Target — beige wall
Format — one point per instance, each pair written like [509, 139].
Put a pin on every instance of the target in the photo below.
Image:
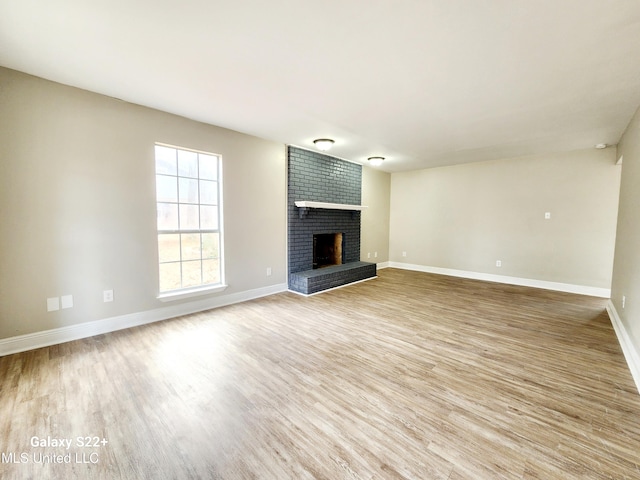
[374, 234]
[468, 216]
[626, 269]
[77, 203]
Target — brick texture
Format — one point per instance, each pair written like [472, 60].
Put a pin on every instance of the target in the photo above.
[321, 178]
[313, 281]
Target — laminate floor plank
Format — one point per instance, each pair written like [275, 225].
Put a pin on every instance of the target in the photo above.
[407, 376]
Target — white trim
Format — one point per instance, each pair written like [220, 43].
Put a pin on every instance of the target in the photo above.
[190, 292]
[55, 336]
[525, 282]
[177, 147]
[631, 354]
[382, 265]
[329, 206]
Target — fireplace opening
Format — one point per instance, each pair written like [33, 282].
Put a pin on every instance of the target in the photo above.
[327, 249]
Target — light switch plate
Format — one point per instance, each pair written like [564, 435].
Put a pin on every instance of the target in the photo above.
[53, 304]
[66, 301]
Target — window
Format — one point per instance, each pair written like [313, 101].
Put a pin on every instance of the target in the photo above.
[188, 201]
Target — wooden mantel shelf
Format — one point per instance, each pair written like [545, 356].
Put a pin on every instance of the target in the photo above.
[330, 206]
[305, 205]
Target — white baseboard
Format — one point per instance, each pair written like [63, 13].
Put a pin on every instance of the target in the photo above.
[382, 265]
[525, 282]
[55, 336]
[631, 354]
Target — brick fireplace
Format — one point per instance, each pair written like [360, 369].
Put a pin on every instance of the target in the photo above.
[314, 177]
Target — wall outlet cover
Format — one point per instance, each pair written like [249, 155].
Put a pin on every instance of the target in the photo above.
[66, 301]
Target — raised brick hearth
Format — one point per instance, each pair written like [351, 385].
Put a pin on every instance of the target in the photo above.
[313, 281]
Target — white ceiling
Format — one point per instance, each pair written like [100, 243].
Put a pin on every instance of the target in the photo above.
[421, 82]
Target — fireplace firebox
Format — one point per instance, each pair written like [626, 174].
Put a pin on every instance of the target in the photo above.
[327, 249]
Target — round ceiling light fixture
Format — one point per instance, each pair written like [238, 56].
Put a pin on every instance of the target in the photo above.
[600, 146]
[323, 144]
[375, 161]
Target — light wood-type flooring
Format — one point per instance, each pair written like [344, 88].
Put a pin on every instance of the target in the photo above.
[407, 376]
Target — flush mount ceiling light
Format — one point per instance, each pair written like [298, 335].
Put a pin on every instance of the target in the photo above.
[600, 146]
[375, 161]
[323, 144]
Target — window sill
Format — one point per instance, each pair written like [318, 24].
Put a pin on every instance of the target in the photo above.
[190, 292]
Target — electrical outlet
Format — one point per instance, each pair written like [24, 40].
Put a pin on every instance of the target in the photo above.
[268, 271]
[375, 254]
[66, 301]
[547, 215]
[107, 296]
[369, 255]
[404, 254]
[498, 263]
[624, 300]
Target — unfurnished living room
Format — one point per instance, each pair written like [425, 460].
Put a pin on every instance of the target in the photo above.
[320, 240]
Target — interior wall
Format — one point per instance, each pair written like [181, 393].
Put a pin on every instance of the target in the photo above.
[77, 202]
[626, 268]
[467, 217]
[376, 191]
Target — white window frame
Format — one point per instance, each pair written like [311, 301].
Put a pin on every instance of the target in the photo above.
[201, 289]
